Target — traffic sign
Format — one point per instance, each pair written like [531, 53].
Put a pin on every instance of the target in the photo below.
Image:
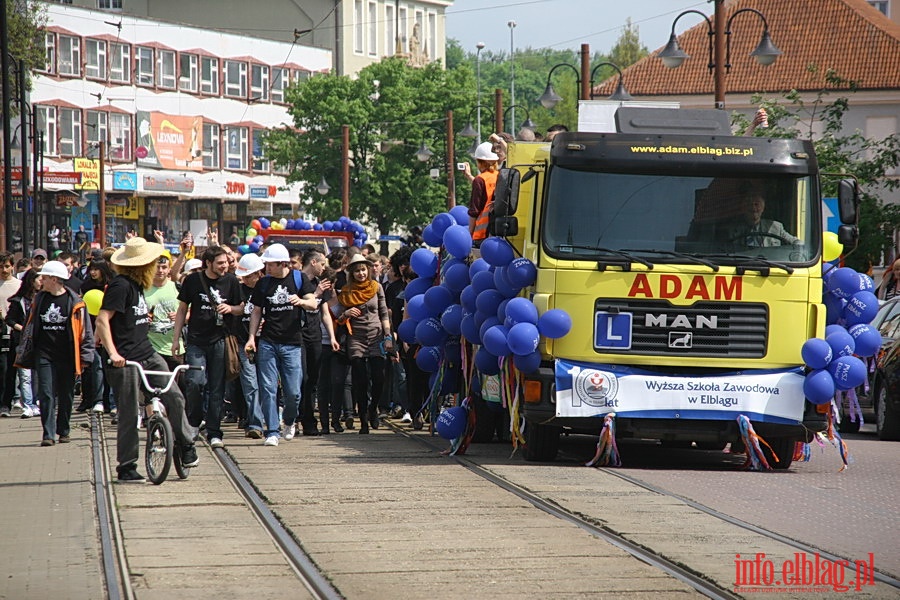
[830, 214]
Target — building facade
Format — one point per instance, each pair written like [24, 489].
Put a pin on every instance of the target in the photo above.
[179, 113]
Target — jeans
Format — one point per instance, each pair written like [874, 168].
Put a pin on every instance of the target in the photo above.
[25, 392]
[211, 357]
[55, 390]
[274, 361]
[128, 387]
[250, 387]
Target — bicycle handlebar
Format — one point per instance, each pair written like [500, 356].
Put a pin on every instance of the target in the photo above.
[171, 375]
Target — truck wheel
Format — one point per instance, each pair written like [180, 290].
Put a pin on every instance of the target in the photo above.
[485, 422]
[541, 442]
[784, 448]
[887, 421]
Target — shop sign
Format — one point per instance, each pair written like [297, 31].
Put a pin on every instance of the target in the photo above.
[125, 181]
[236, 188]
[90, 173]
[260, 208]
[133, 208]
[168, 183]
[67, 200]
[62, 178]
[263, 191]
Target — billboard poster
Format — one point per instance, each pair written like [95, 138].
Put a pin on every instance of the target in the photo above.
[169, 141]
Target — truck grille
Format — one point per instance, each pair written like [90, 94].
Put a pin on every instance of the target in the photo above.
[741, 328]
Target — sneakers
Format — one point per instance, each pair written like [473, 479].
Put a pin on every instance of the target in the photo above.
[254, 434]
[407, 418]
[98, 408]
[35, 411]
[4, 413]
[272, 440]
[27, 413]
[64, 439]
[47, 442]
[336, 426]
[289, 431]
[17, 404]
[189, 456]
[130, 476]
[216, 443]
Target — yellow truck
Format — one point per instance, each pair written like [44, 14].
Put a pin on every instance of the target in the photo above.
[690, 262]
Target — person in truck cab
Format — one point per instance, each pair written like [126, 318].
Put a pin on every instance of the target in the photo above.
[752, 230]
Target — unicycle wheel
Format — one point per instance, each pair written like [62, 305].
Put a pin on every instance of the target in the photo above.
[159, 450]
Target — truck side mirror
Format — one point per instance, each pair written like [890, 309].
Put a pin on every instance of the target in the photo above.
[848, 235]
[848, 201]
[505, 226]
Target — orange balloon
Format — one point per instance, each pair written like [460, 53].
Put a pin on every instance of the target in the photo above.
[255, 224]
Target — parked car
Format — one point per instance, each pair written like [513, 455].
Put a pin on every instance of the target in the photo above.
[885, 379]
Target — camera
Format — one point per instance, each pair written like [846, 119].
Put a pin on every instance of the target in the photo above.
[251, 357]
[461, 166]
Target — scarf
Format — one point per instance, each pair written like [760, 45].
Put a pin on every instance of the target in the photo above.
[357, 294]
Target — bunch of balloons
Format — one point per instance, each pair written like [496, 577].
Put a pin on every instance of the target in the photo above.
[835, 363]
[478, 302]
[254, 240]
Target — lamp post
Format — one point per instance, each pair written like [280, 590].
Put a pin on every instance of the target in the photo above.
[550, 98]
[621, 94]
[6, 204]
[719, 61]
[512, 75]
[424, 154]
[527, 124]
[478, 48]
[471, 132]
[584, 82]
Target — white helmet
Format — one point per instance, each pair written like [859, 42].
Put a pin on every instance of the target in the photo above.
[276, 253]
[55, 268]
[485, 151]
[249, 263]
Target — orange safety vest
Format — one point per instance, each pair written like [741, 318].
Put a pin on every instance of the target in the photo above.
[481, 223]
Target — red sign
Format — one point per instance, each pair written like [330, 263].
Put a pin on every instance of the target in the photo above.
[235, 187]
[61, 178]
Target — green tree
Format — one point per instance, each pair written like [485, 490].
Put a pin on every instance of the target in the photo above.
[388, 122]
[628, 49]
[26, 19]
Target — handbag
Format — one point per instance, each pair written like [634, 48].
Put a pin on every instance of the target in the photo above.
[25, 351]
[232, 347]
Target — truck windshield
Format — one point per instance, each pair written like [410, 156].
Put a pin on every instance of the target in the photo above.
[589, 215]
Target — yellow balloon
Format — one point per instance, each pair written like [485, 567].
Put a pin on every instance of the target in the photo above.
[831, 247]
[93, 299]
[277, 226]
[251, 232]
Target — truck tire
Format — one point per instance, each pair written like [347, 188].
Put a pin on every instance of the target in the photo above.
[485, 422]
[887, 421]
[541, 442]
[784, 448]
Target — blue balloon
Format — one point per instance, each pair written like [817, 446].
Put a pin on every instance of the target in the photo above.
[478, 265]
[254, 247]
[867, 340]
[417, 309]
[304, 225]
[848, 372]
[259, 239]
[521, 272]
[523, 338]
[468, 328]
[456, 277]
[834, 308]
[327, 225]
[844, 283]
[468, 297]
[861, 308]
[416, 287]
[866, 284]
[424, 262]
[483, 281]
[486, 324]
[842, 344]
[318, 227]
[487, 363]
[829, 329]
[363, 236]
[555, 323]
[244, 248]
[428, 358]
[458, 241]
[488, 301]
[430, 236]
[407, 330]
[264, 222]
[451, 423]
[528, 363]
[495, 340]
[521, 310]
[816, 353]
[451, 319]
[501, 310]
[344, 219]
[818, 387]
[437, 298]
[291, 224]
[461, 215]
[497, 251]
[429, 332]
[441, 222]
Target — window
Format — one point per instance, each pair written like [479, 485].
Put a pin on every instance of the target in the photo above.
[235, 79]
[259, 163]
[120, 141]
[278, 77]
[390, 32]
[236, 148]
[143, 68]
[212, 149]
[882, 6]
[120, 63]
[404, 31]
[50, 52]
[165, 69]
[300, 75]
[878, 128]
[69, 55]
[373, 29]
[69, 132]
[358, 26]
[109, 4]
[47, 124]
[187, 80]
[97, 130]
[431, 36]
[259, 83]
[209, 75]
[95, 59]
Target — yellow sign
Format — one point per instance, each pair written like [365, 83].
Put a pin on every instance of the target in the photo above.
[90, 173]
[133, 209]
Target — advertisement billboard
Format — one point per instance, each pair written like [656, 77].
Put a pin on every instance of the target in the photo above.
[169, 141]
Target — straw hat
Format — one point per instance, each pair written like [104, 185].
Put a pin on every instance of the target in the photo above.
[358, 258]
[137, 252]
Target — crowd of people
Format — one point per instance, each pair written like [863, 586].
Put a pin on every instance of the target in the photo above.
[316, 341]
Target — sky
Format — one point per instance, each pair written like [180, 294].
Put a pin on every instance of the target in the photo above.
[561, 24]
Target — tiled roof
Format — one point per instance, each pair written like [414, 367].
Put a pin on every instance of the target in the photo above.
[849, 36]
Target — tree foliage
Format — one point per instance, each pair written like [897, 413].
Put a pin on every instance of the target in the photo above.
[26, 19]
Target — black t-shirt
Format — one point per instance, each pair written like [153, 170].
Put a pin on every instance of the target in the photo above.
[283, 321]
[131, 321]
[74, 283]
[392, 292]
[242, 327]
[55, 340]
[312, 330]
[203, 327]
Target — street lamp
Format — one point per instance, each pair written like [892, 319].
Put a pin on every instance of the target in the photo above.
[527, 124]
[424, 154]
[469, 131]
[550, 98]
[621, 94]
[719, 61]
[512, 74]
[323, 187]
[478, 48]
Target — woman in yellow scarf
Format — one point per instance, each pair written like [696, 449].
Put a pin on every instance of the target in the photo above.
[362, 310]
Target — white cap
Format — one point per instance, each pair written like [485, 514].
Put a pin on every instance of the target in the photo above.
[276, 253]
[55, 268]
[485, 151]
[249, 263]
[194, 263]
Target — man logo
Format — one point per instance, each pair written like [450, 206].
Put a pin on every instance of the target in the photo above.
[679, 339]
